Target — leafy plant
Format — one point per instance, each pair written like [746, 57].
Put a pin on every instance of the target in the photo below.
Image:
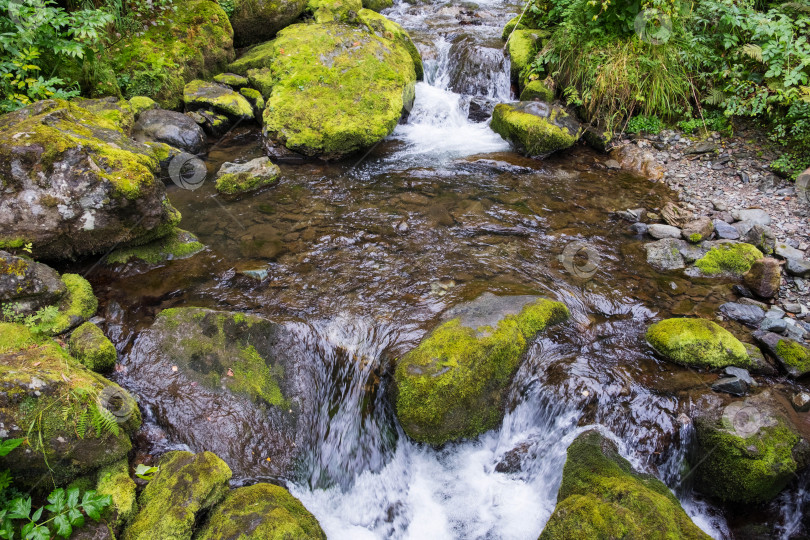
[645, 124]
[38, 322]
[145, 472]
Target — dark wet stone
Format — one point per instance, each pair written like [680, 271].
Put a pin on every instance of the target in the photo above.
[731, 385]
[769, 324]
[764, 277]
[665, 255]
[798, 267]
[512, 460]
[28, 284]
[639, 228]
[169, 127]
[480, 109]
[743, 291]
[748, 315]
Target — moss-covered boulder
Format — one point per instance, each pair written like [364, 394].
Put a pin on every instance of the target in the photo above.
[169, 127]
[747, 451]
[178, 244]
[117, 112]
[195, 41]
[454, 383]
[261, 511]
[522, 47]
[90, 346]
[377, 5]
[331, 89]
[233, 80]
[256, 21]
[76, 421]
[515, 23]
[535, 128]
[384, 27]
[794, 357]
[326, 11]
[140, 104]
[242, 380]
[236, 178]
[72, 183]
[114, 480]
[217, 97]
[185, 486]
[601, 496]
[697, 343]
[28, 285]
[729, 258]
[536, 91]
[76, 306]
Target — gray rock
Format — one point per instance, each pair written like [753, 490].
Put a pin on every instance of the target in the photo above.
[775, 312]
[787, 252]
[798, 267]
[703, 147]
[725, 231]
[28, 285]
[659, 231]
[755, 215]
[639, 228]
[801, 401]
[665, 255]
[792, 307]
[719, 205]
[795, 332]
[739, 373]
[760, 365]
[752, 302]
[743, 227]
[769, 324]
[170, 127]
[731, 385]
[698, 230]
[798, 364]
[692, 252]
[748, 315]
[762, 237]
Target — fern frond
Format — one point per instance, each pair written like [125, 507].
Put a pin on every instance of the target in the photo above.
[81, 424]
[752, 51]
[715, 97]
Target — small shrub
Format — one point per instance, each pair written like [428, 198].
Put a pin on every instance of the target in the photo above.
[651, 125]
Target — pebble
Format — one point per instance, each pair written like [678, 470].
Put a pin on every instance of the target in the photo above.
[792, 307]
[798, 267]
[660, 231]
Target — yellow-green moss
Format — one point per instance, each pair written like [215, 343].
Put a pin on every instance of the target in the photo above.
[232, 79]
[793, 354]
[729, 258]
[114, 480]
[117, 112]
[386, 28]
[202, 94]
[178, 244]
[262, 511]
[535, 90]
[184, 486]
[698, 343]
[326, 11]
[522, 47]
[78, 305]
[333, 88]
[255, 98]
[601, 496]
[751, 469]
[512, 25]
[90, 346]
[532, 134]
[142, 103]
[232, 184]
[377, 5]
[452, 385]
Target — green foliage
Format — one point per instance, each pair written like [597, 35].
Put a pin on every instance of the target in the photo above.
[651, 125]
[36, 36]
[66, 509]
[145, 472]
[228, 6]
[38, 322]
[710, 121]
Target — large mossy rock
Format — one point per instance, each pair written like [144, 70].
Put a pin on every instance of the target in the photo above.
[90, 346]
[523, 46]
[256, 21]
[242, 380]
[114, 480]
[535, 128]
[729, 258]
[77, 306]
[331, 89]
[218, 98]
[697, 343]
[72, 183]
[195, 41]
[185, 486]
[261, 511]
[49, 398]
[601, 496]
[454, 383]
[237, 178]
[28, 285]
[747, 451]
[169, 127]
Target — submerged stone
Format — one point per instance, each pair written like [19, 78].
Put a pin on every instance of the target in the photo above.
[601, 496]
[75, 184]
[535, 128]
[235, 178]
[185, 486]
[179, 244]
[454, 383]
[697, 343]
[261, 511]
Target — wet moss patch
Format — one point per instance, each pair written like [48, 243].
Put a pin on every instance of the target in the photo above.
[698, 343]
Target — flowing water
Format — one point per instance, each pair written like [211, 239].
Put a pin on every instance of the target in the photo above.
[359, 259]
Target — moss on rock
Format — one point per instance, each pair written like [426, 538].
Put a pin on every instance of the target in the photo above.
[199, 94]
[51, 399]
[331, 89]
[90, 346]
[453, 384]
[179, 244]
[730, 258]
[114, 480]
[536, 129]
[261, 511]
[256, 21]
[142, 103]
[515, 23]
[697, 343]
[326, 11]
[386, 28]
[522, 48]
[117, 112]
[185, 486]
[536, 90]
[601, 496]
[78, 305]
[377, 5]
[232, 79]
[236, 178]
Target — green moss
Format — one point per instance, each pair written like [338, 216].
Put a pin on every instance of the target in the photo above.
[114, 480]
[142, 103]
[331, 89]
[232, 79]
[178, 244]
[793, 354]
[601, 496]
[78, 305]
[326, 11]
[201, 94]
[512, 25]
[695, 238]
[196, 41]
[751, 469]
[452, 385]
[532, 134]
[377, 5]
[252, 376]
[117, 113]
[232, 184]
[385, 28]
[698, 343]
[535, 90]
[184, 486]
[261, 511]
[729, 258]
[13, 243]
[90, 346]
[522, 47]
[254, 97]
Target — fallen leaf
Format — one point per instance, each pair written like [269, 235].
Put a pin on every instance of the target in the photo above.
[230, 372]
[174, 368]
